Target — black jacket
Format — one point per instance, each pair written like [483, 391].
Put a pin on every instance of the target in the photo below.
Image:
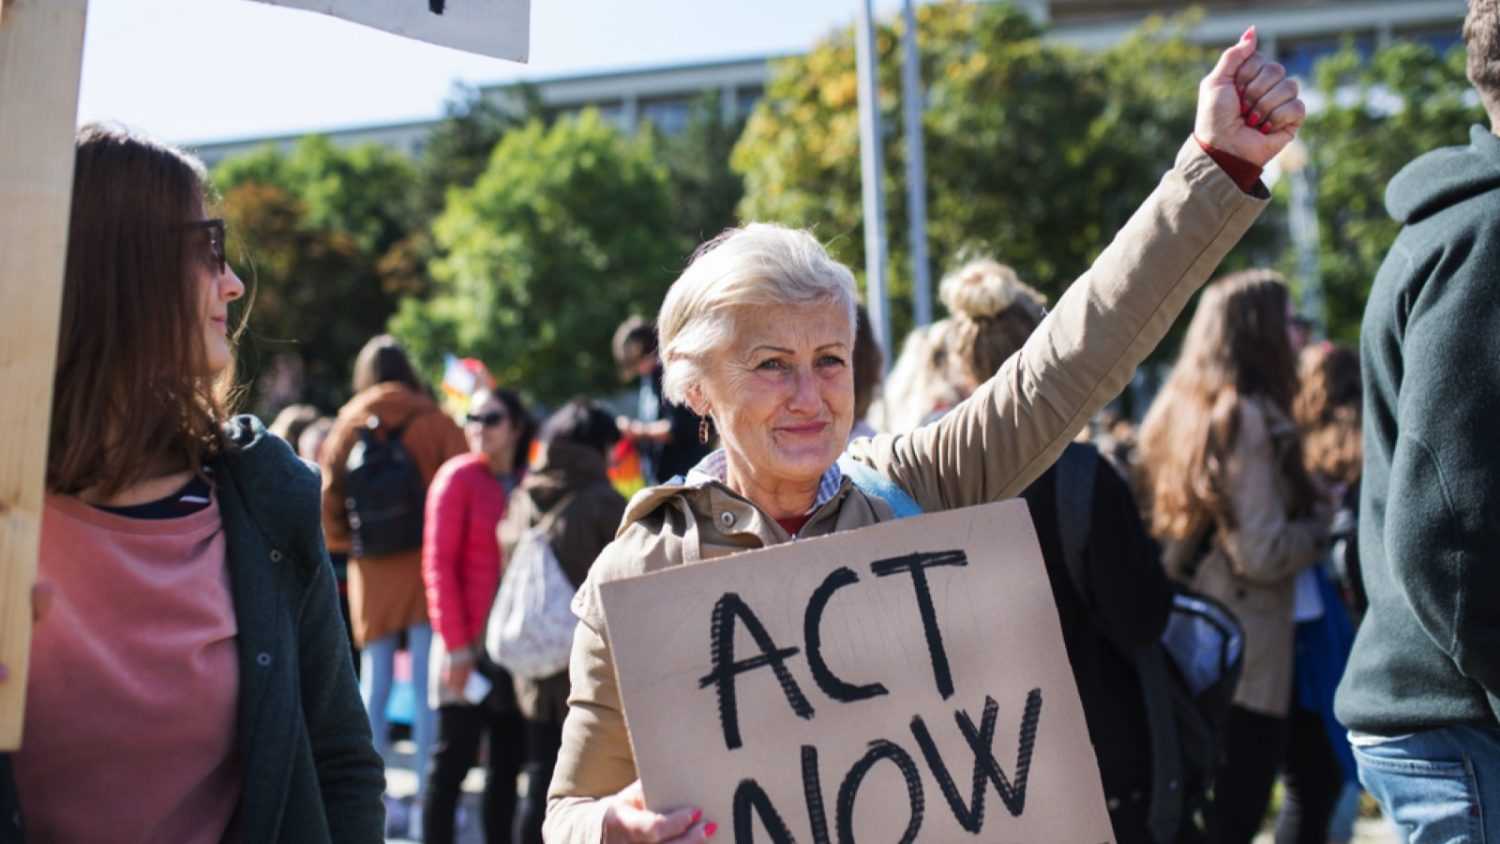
[1125, 609]
[1428, 652]
[311, 773]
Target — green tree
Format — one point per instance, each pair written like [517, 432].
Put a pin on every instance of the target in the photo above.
[567, 231]
[317, 233]
[705, 190]
[1378, 115]
[1036, 153]
[460, 146]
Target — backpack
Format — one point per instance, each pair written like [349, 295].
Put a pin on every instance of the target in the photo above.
[383, 493]
[530, 628]
[1187, 679]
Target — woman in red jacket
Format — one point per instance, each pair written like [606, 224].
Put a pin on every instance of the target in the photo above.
[461, 570]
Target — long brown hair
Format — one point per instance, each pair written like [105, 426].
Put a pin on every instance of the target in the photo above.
[128, 396]
[382, 360]
[1327, 411]
[1236, 349]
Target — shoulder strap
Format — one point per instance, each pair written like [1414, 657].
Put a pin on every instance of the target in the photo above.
[876, 485]
[1073, 483]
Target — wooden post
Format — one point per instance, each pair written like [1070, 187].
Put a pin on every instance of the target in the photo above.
[41, 55]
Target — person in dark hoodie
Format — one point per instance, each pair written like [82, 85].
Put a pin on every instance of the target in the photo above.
[1421, 696]
[568, 497]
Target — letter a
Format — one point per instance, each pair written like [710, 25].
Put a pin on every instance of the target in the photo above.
[726, 669]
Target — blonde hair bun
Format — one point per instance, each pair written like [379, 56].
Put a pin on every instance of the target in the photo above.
[985, 288]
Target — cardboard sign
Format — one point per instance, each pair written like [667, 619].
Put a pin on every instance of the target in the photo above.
[903, 682]
[499, 28]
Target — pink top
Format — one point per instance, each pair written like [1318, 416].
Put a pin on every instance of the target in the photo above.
[130, 707]
[460, 552]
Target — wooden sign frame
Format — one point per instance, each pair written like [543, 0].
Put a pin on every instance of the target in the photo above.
[41, 58]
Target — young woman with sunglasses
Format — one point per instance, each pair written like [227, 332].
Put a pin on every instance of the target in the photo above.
[386, 599]
[461, 568]
[190, 681]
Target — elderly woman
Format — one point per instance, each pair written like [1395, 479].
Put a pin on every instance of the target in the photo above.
[756, 338]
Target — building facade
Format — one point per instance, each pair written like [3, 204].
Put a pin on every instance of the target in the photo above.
[1297, 32]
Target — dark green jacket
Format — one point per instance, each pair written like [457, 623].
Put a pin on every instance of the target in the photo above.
[1428, 652]
[311, 773]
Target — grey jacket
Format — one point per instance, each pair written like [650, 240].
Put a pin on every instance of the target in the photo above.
[311, 773]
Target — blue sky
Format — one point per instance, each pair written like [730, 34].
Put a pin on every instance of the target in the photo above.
[199, 70]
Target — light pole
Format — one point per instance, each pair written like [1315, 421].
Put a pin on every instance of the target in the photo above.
[872, 169]
[913, 104]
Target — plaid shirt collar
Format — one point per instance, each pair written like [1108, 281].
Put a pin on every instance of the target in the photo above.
[714, 467]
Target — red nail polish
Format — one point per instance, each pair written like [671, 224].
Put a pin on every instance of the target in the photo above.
[710, 829]
[1265, 128]
[697, 816]
[1249, 33]
[1254, 120]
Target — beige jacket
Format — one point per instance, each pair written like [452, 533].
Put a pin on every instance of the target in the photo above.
[988, 448]
[1252, 567]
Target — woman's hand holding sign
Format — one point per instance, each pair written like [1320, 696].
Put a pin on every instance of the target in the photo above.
[628, 821]
[1247, 106]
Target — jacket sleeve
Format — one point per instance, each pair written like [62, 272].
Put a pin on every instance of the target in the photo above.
[1443, 493]
[1264, 545]
[1003, 437]
[1129, 596]
[350, 773]
[595, 759]
[442, 544]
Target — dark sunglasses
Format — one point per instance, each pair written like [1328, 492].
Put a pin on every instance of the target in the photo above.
[216, 239]
[488, 420]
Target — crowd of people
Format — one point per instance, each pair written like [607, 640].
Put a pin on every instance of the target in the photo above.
[222, 609]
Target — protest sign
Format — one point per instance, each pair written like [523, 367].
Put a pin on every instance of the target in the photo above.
[499, 28]
[902, 682]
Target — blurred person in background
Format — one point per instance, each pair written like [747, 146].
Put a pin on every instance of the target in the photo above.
[461, 565]
[189, 680]
[1327, 411]
[570, 502]
[386, 597]
[917, 387]
[869, 371]
[292, 421]
[1116, 599]
[1239, 519]
[665, 435]
[1421, 697]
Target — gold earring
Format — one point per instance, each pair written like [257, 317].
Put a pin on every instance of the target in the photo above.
[703, 430]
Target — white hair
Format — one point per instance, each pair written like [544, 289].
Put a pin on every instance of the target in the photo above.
[761, 264]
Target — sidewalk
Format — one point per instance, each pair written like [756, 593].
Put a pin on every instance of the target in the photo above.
[401, 783]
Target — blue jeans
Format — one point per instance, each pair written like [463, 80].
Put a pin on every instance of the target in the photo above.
[1437, 786]
[377, 672]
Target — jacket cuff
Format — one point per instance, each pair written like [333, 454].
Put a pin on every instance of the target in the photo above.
[1245, 174]
[1201, 170]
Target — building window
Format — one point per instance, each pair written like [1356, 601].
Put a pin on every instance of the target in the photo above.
[1300, 57]
[1440, 38]
[746, 98]
[670, 115]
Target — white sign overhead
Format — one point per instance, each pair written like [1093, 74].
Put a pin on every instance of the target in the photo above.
[499, 28]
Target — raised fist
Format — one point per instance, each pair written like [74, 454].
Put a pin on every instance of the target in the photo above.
[1247, 106]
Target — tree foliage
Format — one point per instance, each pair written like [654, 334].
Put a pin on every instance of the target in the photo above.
[1036, 153]
[705, 190]
[311, 232]
[567, 231]
[1379, 114]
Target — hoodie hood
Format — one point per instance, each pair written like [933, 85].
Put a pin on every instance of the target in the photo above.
[562, 469]
[395, 404]
[1445, 177]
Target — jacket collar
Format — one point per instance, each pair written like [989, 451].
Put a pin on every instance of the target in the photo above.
[715, 467]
